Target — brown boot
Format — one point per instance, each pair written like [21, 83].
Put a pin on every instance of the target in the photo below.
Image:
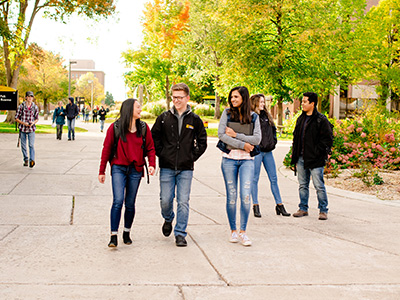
[323, 216]
[300, 213]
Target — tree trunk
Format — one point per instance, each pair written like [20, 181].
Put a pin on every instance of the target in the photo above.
[141, 94]
[167, 95]
[280, 111]
[217, 111]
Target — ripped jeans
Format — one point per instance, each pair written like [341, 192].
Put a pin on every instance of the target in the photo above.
[233, 169]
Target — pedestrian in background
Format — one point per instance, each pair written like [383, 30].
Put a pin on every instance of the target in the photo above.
[87, 112]
[126, 157]
[102, 114]
[71, 111]
[238, 149]
[180, 139]
[268, 143]
[95, 112]
[312, 142]
[59, 119]
[27, 116]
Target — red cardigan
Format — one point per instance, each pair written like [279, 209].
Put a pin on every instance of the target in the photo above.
[127, 152]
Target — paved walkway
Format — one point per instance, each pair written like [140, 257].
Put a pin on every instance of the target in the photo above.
[54, 230]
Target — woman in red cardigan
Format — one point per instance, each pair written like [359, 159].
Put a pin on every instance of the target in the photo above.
[123, 149]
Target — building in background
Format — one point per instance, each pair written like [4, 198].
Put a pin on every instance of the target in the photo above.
[84, 66]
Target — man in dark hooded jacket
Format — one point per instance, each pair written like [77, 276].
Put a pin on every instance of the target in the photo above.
[312, 142]
[72, 111]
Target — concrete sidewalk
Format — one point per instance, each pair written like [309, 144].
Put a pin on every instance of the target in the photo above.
[54, 230]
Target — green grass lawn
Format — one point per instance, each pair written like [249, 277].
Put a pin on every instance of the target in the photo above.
[10, 128]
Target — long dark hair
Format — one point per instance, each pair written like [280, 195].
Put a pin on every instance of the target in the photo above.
[241, 113]
[255, 104]
[125, 119]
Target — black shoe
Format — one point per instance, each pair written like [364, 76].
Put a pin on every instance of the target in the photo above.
[256, 210]
[73, 138]
[127, 239]
[26, 163]
[113, 241]
[280, 209]
[31, 164]
[180, 241]
[69, 139]
[167, 228]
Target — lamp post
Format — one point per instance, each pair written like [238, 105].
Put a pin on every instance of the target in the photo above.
[91, 97]
[71, 62]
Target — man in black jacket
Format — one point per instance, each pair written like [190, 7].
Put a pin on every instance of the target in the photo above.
[72, 111]
[312, 142]
[180, 139]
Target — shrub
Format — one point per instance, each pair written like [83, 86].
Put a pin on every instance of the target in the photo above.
[205, 110]
[371, 140]
[147, 115]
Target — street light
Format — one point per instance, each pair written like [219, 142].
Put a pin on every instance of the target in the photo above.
[69, 77]
[91, 105]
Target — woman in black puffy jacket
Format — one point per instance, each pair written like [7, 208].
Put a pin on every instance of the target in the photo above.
[268, 142]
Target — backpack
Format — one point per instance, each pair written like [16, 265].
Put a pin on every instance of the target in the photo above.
[320, 118]
[143, 126]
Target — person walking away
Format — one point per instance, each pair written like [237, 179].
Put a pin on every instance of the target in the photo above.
[238, 149]
[125, 148]
[180, 139]
[72, 112]
[83, 114]
[312, 142]
[287, 113]
[102, 114]
[27, 116]
[87, 112]
[95, 112]
[268, 143]
[59, 119]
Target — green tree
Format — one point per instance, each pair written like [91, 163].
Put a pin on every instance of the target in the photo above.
[381, 48]
[16, 22]
[202, 51]
[44, 74]
[153, 63]
[109, 99]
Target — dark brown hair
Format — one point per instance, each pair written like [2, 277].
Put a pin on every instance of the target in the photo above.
[243, 112]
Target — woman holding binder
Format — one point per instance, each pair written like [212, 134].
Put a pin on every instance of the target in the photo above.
[268, 143]
[238, 147]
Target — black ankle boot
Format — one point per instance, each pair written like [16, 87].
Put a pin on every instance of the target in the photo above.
[113, 241]
[256, 210]
[280, 209]
[126, 238]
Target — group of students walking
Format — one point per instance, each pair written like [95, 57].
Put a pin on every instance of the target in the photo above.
[247, 136]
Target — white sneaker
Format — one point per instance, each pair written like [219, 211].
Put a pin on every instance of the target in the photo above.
[234, 237]
[244, 239]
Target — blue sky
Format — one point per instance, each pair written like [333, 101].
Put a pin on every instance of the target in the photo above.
[101, 41]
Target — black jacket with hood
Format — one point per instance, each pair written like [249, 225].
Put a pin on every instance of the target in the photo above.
[71, 109]
[317, 143]
[179, 151]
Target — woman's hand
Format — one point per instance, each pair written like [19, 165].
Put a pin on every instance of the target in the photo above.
[248, 147]
[230, 132]
[152, 171]
[102, 178]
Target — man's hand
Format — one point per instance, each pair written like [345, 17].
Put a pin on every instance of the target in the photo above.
[102, 178]
[230, 132]
[152, 171]
[248, 147]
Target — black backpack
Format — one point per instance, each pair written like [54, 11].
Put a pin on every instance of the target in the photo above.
[143, 126]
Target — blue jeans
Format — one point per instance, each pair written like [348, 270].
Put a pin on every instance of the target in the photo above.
[71, 128]
[31, 143]
[182, 181]
[233, 169]
[102, 124]
[125, 184]
[267, 159]
[317, 175]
